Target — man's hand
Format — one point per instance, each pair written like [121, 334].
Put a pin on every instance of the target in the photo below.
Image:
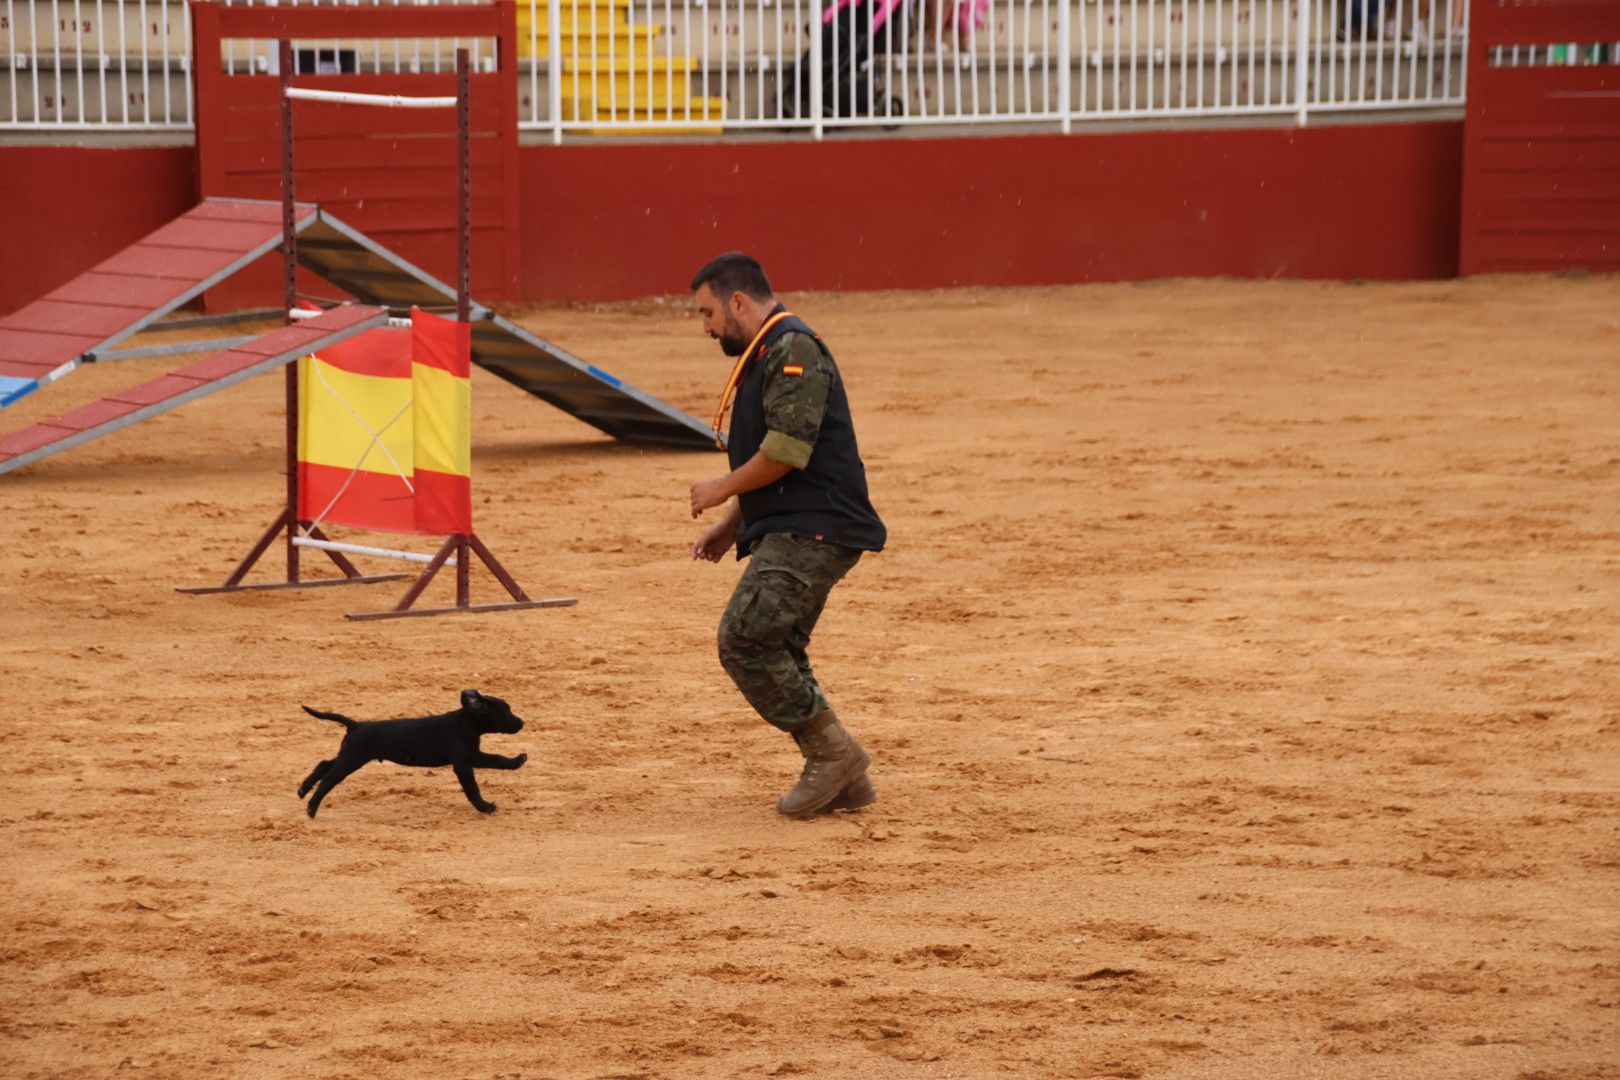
[753, 474]
[716, 541]
[709, 493]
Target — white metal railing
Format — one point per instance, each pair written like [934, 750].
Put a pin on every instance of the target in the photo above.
[673, 66]
[345, 56]
[95, 64]
[258, 56]
[818, 64]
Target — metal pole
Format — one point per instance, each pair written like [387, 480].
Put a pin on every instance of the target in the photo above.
[1302, 81]
[463, 192]
[464, 256]
[289, 235]
[289, 263]
[463, 591]
[1065, 60]
[815, 67]
[554, 72]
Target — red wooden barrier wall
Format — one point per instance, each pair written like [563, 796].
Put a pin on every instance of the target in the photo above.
[1541, 158]
[70, 207]
[388, 172]
[1334, 201]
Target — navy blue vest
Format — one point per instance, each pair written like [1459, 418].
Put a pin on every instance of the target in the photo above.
[825, 500]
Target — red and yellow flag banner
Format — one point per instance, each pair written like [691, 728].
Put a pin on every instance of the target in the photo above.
[441, 374]
[385, 430]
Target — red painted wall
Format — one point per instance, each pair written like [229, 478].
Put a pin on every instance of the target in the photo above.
[1541, 183]
[1326, 202]
[613, 221]
[67, 208]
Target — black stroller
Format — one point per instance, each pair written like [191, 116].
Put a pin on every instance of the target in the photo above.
[855, 39]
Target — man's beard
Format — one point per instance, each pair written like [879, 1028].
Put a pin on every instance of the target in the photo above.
[732, 341]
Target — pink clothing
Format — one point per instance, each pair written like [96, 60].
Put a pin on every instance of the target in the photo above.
[957, 12]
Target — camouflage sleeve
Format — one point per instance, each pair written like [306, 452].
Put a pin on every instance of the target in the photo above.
[798, 380]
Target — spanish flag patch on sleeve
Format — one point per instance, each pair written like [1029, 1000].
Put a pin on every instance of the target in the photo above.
[793, 369]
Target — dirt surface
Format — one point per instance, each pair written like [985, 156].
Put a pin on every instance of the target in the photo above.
[1242, 683]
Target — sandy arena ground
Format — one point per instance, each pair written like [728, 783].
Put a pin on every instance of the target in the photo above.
[1242, 682]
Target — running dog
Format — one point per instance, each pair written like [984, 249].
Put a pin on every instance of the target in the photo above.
[429, 741]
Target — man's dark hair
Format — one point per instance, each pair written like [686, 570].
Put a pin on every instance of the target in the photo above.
[733, 272]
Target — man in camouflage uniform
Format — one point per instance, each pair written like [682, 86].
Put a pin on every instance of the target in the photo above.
[801, 513]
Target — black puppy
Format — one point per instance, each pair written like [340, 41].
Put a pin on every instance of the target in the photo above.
[448, 739]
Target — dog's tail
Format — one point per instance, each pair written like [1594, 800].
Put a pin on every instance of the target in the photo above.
[334, 717]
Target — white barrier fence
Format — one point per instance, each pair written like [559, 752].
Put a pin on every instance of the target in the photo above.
[673, 66]
[93, 64]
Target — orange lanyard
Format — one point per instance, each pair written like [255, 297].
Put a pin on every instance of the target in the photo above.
[741, 366]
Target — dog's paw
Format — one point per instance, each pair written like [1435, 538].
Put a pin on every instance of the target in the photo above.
[521, 760]
[311, 810]
[487, 808]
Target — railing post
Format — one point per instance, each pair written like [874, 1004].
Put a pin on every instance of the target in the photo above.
[815, 68]
[1302, 74]
[554, 72]
[1065, 59]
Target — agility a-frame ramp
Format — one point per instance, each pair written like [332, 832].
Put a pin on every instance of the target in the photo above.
[80, 323]
[83, 320]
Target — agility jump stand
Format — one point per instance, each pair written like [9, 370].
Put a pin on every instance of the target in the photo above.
[457, 548]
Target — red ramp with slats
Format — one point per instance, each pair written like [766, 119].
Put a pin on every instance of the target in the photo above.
[170, 391]
[52, 336]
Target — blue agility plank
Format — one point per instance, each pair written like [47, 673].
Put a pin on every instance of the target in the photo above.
[14, 389]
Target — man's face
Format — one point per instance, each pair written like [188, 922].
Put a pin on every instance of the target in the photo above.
[720, 322]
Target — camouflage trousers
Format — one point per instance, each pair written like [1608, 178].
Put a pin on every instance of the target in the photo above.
[767, 625]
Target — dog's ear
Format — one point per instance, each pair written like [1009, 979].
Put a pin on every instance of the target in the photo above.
[471, 699]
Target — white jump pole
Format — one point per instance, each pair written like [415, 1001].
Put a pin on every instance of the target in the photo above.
[394, 101]
[362, 549]
[300, 314]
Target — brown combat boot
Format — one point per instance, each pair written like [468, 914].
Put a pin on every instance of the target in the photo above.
[832, 762]
[859, 793]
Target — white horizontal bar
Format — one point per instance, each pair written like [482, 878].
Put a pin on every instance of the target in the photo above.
[300, 314]
[395, 101]
[1079, 116]
[361, 549]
